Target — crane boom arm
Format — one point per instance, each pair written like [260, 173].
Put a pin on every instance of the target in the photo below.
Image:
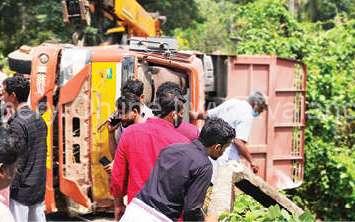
[127, 16]
[136, 18]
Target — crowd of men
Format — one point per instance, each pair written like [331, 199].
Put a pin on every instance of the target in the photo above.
[176, 181]
[163, 164]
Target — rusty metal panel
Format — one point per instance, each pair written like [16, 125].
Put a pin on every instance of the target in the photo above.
[76, 133]
[277, 136]
[76, 138]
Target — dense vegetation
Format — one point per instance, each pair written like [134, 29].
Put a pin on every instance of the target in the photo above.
[246, 209]
[30, 22]
[321, 33]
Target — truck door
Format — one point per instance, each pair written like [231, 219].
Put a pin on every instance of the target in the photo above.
[277, 136]
[105, 89]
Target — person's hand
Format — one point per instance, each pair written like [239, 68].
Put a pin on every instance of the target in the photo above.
[193, 115]
[110, 127]
[254, 167]
[108, 168]
[119, 209]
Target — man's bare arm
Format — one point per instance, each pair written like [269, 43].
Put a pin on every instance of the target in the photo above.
[119, 208]
[112, 144]
[198, 115]
[243, 150]
[111, 139]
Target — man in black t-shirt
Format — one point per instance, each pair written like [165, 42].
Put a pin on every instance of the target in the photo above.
[28, 187]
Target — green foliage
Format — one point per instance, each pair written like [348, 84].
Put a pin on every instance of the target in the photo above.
[2, 59]
[246, 209]
[213, 33]
[263, 26]
[331, 91]
[30, 22]
[179, 13]
[325, 10]
[329, 187]
[267, 27]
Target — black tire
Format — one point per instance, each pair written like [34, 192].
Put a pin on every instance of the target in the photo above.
[20, 62]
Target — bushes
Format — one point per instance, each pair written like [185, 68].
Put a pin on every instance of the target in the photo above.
[329, 188]
[330, 135]
[246, 209]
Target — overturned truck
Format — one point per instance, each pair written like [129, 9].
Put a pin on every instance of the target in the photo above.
[75, 88]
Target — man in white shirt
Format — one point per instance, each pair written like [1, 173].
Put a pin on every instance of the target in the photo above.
[239, 114]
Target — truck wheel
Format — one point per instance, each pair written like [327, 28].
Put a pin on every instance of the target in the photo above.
[20, 61]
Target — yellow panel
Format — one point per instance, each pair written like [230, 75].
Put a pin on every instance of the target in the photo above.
[47, 117]
[103, 93]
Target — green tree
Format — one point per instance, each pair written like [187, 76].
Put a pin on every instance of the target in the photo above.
[30, 22]
[179, 13]
[323, 10]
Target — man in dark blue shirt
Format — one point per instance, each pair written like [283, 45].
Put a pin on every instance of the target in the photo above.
[180, 178]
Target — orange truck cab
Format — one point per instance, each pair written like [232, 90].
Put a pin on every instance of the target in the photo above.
[75, 89]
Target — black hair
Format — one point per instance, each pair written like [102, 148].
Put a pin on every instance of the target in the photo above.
[133, 86]
[9, 151]
[127, 102]
[18, 85]
[169, 98]
[169, 87]
[216, 131]
[1, 66]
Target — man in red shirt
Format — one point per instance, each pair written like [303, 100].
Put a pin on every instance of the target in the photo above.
[140, 145]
